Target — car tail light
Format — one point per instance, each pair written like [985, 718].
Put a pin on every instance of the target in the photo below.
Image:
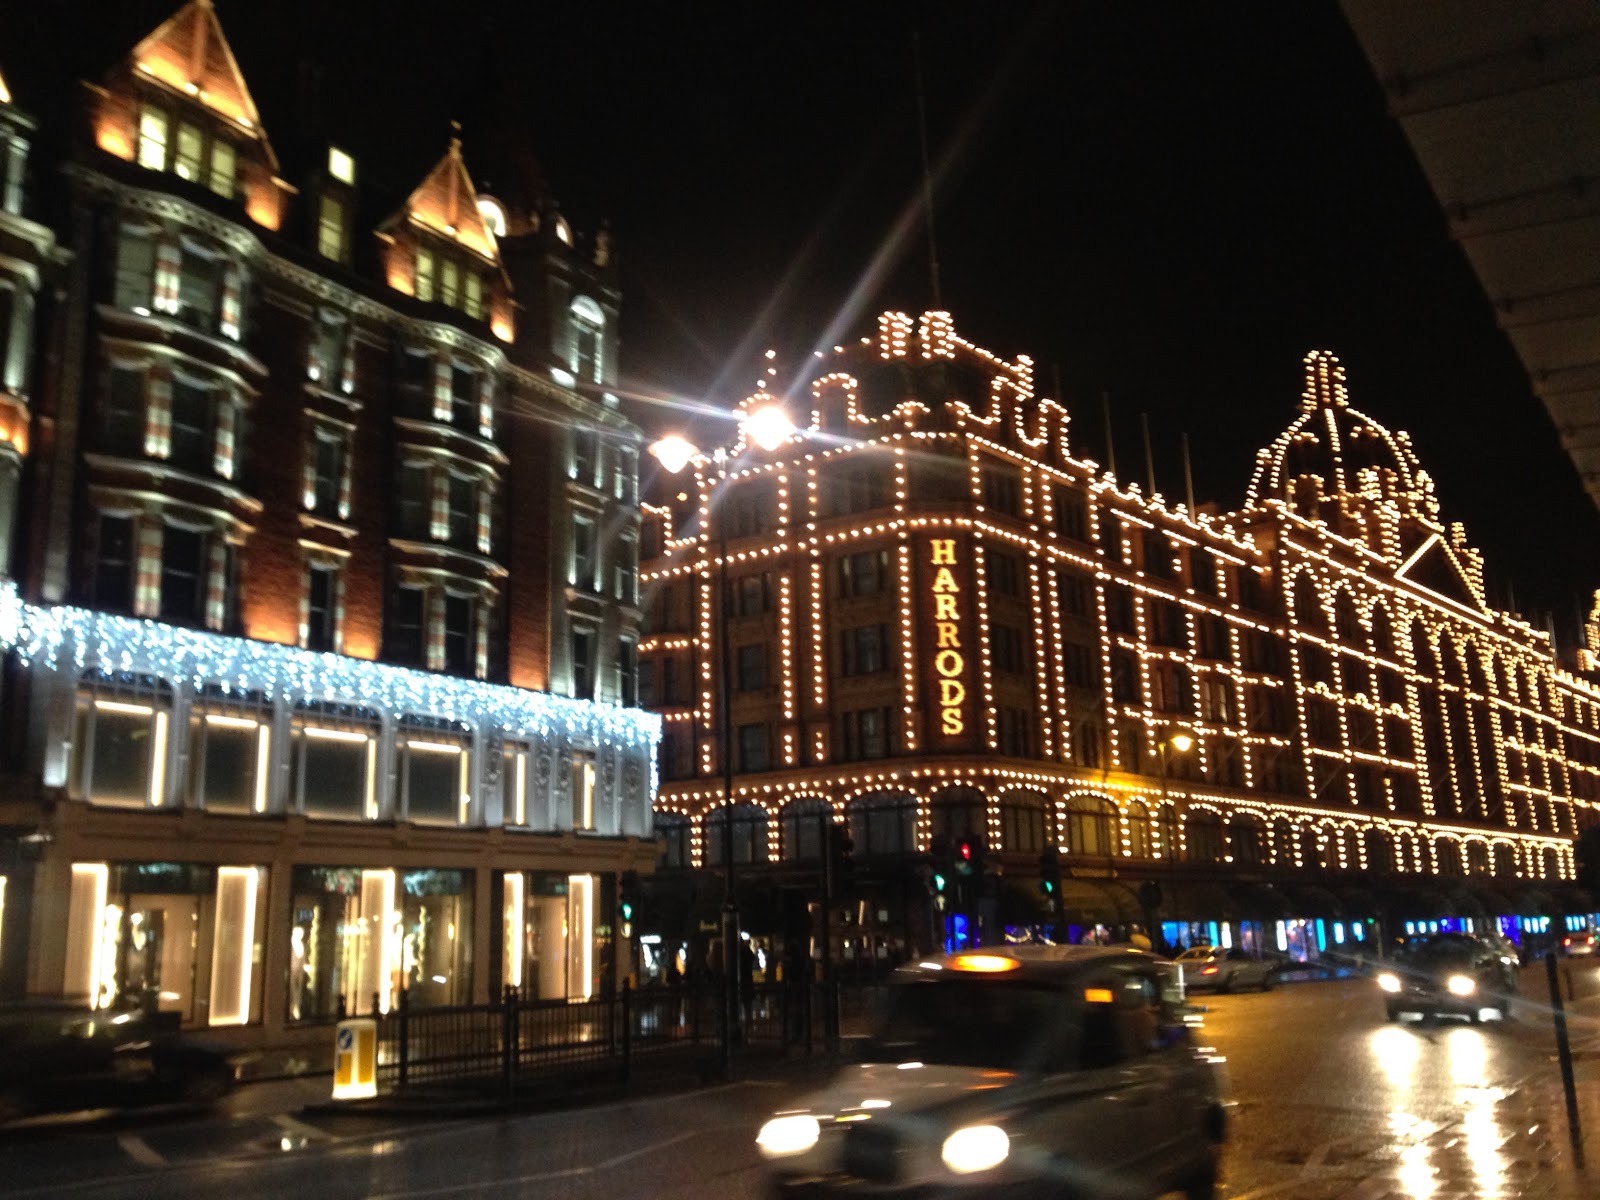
[1209, 971]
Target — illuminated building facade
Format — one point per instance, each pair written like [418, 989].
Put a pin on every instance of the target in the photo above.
[321, 600]
[1298, 723]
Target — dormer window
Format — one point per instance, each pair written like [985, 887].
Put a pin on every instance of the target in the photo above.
[450, 280]
[341, 166]
[194, 153]
[330, 228]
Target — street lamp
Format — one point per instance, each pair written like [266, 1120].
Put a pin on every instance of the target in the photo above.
[1182, 741]
[767, 427]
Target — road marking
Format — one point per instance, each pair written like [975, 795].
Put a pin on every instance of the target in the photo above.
[291, 1125]
[136, 1148]
[457, 1189]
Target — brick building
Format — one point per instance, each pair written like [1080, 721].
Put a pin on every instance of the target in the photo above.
[322, 541]
[1287, 726]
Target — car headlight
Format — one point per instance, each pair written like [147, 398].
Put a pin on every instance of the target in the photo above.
[1389, 981]
[975, 1148]
[1461, 985]
[792, 1134]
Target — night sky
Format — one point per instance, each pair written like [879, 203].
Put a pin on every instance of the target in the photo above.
[1168, 203]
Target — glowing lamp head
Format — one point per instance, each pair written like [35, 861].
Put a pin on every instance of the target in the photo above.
[673, 452]
[1181, 741]
[769, 427]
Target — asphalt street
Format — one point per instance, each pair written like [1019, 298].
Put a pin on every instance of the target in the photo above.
[1332, 1103]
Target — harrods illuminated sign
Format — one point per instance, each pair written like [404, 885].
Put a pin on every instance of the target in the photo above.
[949, 665]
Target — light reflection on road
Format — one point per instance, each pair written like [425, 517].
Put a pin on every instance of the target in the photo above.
[1410, 1064]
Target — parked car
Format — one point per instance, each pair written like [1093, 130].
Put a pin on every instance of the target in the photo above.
[1067, 1069]
[1215, 969]
[1450, 974]
[58, 1058]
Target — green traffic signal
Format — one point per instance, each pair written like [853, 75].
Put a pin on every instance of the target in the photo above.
[1049, 886]
[938, 882]
[627, 911]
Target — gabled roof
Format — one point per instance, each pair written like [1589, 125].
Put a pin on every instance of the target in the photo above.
[1434, 566]
[446, 202]
[189, 54]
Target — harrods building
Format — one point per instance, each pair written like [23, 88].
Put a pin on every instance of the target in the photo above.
[1302, 722]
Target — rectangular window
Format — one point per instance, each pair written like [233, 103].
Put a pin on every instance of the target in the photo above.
[449, 282]
[330, 228]
[753, 755]
[192, 443]
[328, 473]
[182, 574]
[1072, 515]
[628, 674]
[750, 508]
[1077, 665]
[628, 571]
[1004, 577]
[585, 351]
[228, 762]
[186, 163]
[152, 138]
[415, 498]
[464, 398]
[864, 574]
[752, 667]
[585, 456]
[583, 777]
[583, 641]
[1002, 490]
[425, 271]
[436, 778]
[1007, 649]
[583, 556]
[199, 289]
[321, 594]
[122, 429]
[460, 637]
[866, 734]
[1074, 596]
[338, 772]
[472, 297]
[463, 499]
[407, 621]
[224, 168]
[120, 751]
[1016, 732]
[113, 565]
[136, 269]
[864, 650]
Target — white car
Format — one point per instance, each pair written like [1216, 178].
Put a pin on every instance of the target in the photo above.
[1070, 1070]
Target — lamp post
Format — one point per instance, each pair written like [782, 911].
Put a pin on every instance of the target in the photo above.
[1182, 741]
[768, 427]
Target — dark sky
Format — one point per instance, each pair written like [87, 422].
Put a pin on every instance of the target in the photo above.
[1167, 202]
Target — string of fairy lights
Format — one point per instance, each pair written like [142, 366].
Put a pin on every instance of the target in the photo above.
[1363, 536]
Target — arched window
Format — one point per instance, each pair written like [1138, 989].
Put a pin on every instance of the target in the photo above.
[1139, 830]
[1024, 822]
[1247, 839]
[1552, 863]
[673, 831]
[958, 813]
[1346, 622]
[1308, 613]
[1446, 857]
[1380, 854]
[883, 823]
[1382, 641]
[749, 826]
[1505, 861]
[1283, 842]
[800, 828]
[1088, 829]
[586, 335]
[1203, 836]
[1167, 831]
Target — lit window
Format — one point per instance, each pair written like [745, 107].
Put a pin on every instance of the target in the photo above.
[322, 608]
[472, 303]
[229, 759]
[425, 266]
[330, 232]
[186, 164]
[119, 745]
[341, 166]
[494, 216]
[583, 554]
[224, 168]
[153, 139]
[583, 641]
[587, 323]
[583, 789]
[450, 283]
[336, 763]
[435, 772]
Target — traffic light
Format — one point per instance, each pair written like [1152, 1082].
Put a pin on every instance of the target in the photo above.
[1050, 875]
[627, 895]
